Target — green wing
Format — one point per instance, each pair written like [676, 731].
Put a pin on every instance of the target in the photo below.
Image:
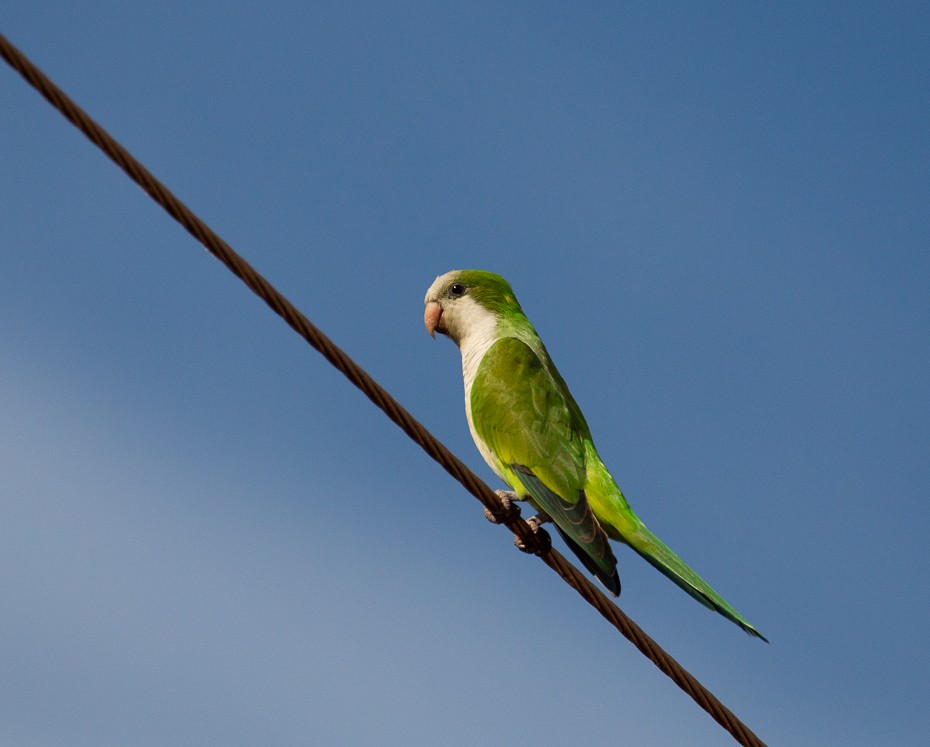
[528, 422]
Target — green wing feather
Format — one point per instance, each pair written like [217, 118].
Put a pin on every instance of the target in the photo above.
[528, 421]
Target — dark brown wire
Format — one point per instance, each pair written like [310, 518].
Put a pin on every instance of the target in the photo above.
[452, 464]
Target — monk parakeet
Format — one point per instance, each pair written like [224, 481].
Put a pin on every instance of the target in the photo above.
[533, 435]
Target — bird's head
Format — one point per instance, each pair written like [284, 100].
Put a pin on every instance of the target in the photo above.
[462, 301]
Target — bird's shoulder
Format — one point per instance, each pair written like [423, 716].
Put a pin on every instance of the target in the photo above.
[515, 388]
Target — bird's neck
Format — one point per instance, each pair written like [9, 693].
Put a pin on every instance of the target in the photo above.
[482, 333]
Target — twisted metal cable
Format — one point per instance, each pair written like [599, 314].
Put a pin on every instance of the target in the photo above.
[536, 543]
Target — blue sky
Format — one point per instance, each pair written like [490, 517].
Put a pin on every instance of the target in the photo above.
[716, 215]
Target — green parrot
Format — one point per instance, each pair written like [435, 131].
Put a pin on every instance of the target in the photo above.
[533, 435]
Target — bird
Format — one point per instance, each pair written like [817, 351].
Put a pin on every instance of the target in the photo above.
[533, 435]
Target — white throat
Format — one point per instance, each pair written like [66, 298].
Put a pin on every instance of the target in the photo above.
[477, 328]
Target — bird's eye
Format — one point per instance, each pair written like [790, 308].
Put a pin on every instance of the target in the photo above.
[456, 290]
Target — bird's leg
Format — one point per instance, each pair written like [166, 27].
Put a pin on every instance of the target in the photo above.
[509, 511]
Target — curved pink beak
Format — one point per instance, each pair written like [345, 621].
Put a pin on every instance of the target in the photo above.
[431, 317]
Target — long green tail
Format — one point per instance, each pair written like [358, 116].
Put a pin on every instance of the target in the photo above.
[657, 553]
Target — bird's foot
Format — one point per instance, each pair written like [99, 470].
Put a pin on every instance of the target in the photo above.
[509, 508]
[538, 520]
[510, 511]
[543, 540]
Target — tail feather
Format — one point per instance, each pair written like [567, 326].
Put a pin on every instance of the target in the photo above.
[658, 554]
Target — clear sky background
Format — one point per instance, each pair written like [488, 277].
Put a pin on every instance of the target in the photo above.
[718, 217]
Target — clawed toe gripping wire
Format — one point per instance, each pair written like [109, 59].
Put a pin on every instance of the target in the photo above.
[509, 511]
[494, 507]
[543, 542]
